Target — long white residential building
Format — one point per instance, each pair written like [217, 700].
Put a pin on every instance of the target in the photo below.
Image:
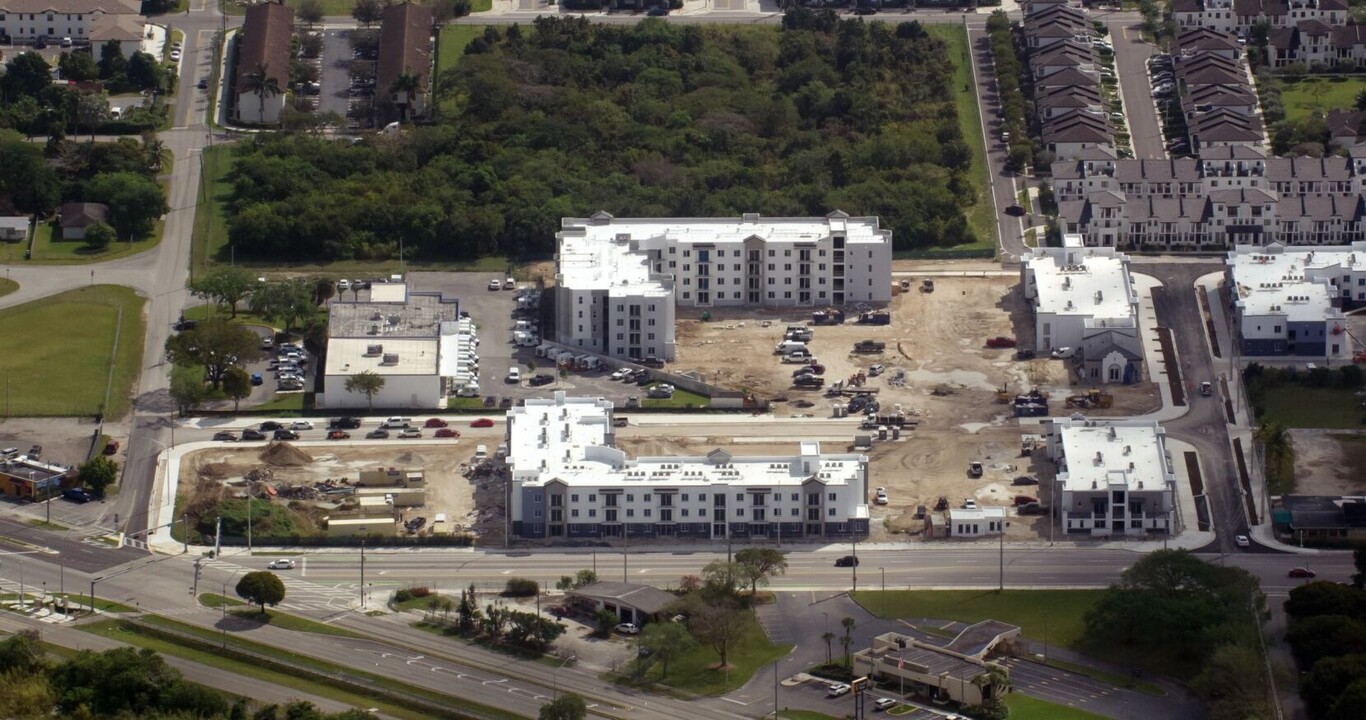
[1084, 299]
[620, 280]
[569, 482]
[1114, 476]
[1288, 301]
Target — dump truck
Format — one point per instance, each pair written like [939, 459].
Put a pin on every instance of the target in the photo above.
[829, 316]
[869, 346]
[875, 317]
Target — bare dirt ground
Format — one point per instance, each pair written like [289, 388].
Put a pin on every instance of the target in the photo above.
[938, 340]
[206, 472]
[1329, 462]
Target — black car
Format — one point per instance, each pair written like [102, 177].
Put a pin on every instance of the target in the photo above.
[652, 361]
[1025, 480]
[77, 495]
[865, 11]
[643, 378]
[286, 435]
[344, 423]
[542, 379]
[253, 435]
[270, 425]
[1015, 211]
[847, 561]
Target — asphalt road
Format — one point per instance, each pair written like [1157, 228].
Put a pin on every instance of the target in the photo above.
[1131, 54]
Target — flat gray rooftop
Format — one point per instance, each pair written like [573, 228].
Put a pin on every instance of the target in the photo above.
[420, 317]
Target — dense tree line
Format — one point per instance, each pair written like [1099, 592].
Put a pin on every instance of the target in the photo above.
[1327, 635]
[1015, 109]
[655, 119]
[1189, 619]
[32, 103]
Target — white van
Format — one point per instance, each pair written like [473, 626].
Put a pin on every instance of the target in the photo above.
[397, 422]
[481, 452]
[471, 390]
[788, 346]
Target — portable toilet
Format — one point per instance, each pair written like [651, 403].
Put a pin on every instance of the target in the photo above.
[840, 410]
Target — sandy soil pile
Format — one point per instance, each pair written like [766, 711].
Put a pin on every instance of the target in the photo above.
[282, 454]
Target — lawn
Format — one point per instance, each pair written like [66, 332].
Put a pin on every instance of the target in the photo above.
[51, 250]
[697, 671]
[62, 347]
[1024, 707]
[681, 399]
[417, 603]
[1060, 610]
[214, 600]
[1299, 406]
[450, 46]
[981, 218]
[1312, 95]
[285, 621]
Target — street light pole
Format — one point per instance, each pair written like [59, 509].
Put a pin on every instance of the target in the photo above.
[362, 574]
[884, 591]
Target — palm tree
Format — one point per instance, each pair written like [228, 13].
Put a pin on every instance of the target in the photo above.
[409, 84]
[848, 640]
[368, 383]
[827, 636]
[155, 151]
[260, 82]
[992, 683]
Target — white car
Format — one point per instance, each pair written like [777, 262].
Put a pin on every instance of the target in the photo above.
[619, 375]
[876, 370]
[837, 689]
[1063, 353]
[301, 425]
[884, 704]
[1242, 541]
[509, 284]
[495, 284]
[969, 504]
[343, 285]
[628, 629]
[880, 497]
[281, 564]
[514, 376]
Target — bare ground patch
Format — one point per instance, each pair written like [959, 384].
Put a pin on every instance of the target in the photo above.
[1329, 462]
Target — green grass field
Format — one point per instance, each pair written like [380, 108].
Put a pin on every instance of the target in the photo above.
[7, 286]
[452, 44]
[285, 621]
[1299, 406]
[214, 600]
[1060, 610]
[697, 671]
[1023, 707]
[681, 399]
[1312, 95]
[981, 219]
[51, 250]
[61, 348]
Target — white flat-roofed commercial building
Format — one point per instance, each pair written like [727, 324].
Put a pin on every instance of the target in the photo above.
[1288, 301]
[569, 482]
[1114, 476]
[1083, 298]
[397, 335]
[620, 279]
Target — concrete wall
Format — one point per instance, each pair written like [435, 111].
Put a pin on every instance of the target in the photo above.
[400, 391]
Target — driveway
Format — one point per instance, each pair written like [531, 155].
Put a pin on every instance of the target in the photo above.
[336, 74]
[1131, 55]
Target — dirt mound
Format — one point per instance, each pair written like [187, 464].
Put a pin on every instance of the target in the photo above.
[218, 470]
[411, 458]
[282, 454]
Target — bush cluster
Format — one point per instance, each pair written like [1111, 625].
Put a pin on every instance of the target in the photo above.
[521, 587]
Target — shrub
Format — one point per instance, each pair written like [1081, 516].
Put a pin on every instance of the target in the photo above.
[403, 595]
[421, 592]
[521, 587]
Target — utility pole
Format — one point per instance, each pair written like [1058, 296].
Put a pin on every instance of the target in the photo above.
[884, 591]
[250, 502]
[1001, 581]
[218, 538]
[362, 574]
[854, 566]
[185, 534]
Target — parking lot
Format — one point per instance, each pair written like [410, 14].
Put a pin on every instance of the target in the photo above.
[335, 73]
[65, 442]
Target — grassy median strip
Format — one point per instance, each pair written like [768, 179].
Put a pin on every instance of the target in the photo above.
[133, 635]
[1051, 616]
[285, 621]
[323, 671]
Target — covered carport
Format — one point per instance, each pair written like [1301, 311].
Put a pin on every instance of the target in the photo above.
[630, 602]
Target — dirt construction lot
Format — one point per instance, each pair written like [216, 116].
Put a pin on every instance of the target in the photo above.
[1329, 462]
[937, 343]
[209, 474]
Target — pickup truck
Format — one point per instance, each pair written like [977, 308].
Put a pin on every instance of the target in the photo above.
[869, 346]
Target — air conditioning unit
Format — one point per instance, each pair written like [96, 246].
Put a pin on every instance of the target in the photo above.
[390, 359]
[373, 350]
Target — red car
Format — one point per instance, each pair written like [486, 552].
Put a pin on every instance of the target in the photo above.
[482, 422]
[446, 432]
[1301, 572]
[338, 435]
[435, 422]
[1000, 341]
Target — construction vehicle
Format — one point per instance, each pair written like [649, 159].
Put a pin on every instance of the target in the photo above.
[1003, 395]
[1032, 404]
[875, 317]
[829, 316]
[1092, 398]
[869, 346]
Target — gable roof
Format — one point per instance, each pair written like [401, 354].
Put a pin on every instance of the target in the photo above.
[266, 40]
[404, 44]
[645, 598]
[82, 214]
[74, 7]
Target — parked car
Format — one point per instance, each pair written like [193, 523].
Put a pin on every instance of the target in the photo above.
[446, 432]
[270, 425]
[880, 497]
[876, 370]
[974, 469]
[1302, 572]
[662, 390]
[969, 504]
[338, 435]
[256, 379]
[410, 433]
[619, 375]
[77, 495]
[250, 434]
[495, 284]
[838, 689]
[541, 379]
[628, 629]
[514, 376]
[435, 423]
[111, 447]
[847, 561]
[286, 435]
[885, 703]
[225, 436]
[482, 423]
[658, 12]
[1063, 353]
[301, 425]
[1025, 480]
[281, 564]
[377, 434]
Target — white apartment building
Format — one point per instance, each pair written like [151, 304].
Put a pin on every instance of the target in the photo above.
[619, 281]
[410, 339]
[1083, 298]
[569, 482]
[25, 21]
[1114, 476]
[1289, 301]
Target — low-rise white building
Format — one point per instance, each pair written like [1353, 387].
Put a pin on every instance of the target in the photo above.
[976, 522]
[25, 21]
[1083, 298]
[1288, 301]
[569, 482]
[1114, 476]
[397, 335]
[619, 281]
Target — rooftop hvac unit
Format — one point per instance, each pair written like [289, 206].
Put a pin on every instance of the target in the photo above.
[374, 329]
[1100, 457]
[373, 350]
[393, 319]
[377, 316]
[390, 359]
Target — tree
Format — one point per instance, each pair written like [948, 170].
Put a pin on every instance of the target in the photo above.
[78, 66]
[718, 626]
[134, 201]
[827, 636]
[567, 706]
[113, 65]
[847, 640]
[407, 85]
[367, 383]
[187, 387]
[99, 235]
[577, 580]
[225, 286]
[145, 73]
[1321, 687]
[286, 302]
[91, 111]
[31, 185]
[237, 385]
[261, 588]
[99, 473]
[1359, 560]
[310, 12]
[757, 565]
[1325, 598]
[260, 82]
[22, 653]
[214, 344]
[718, 580]
[368, 12]
[26, 74]
[155, 151]
[605, 620]
[664, 642]
[323, 290]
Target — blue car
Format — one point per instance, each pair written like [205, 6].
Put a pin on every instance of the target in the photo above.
[256, 379]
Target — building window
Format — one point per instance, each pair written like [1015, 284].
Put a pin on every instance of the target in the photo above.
[831, 513]
[536, 497]
[740, 496]
[574, 513]
[685, 497]
[647, 512]
[630, 498]
[701, 497]
[536, 513]
[630, 512]
[739, 512]
[574, 497]
[796, 497]
[592, 497]
[832, 497]
[649, 498]
[685, 512]
[795, 512]
[592, 512]
[686, 253]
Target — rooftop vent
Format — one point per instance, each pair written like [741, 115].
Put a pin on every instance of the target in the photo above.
[390, 359]
[373, 350]
[1100, 457]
